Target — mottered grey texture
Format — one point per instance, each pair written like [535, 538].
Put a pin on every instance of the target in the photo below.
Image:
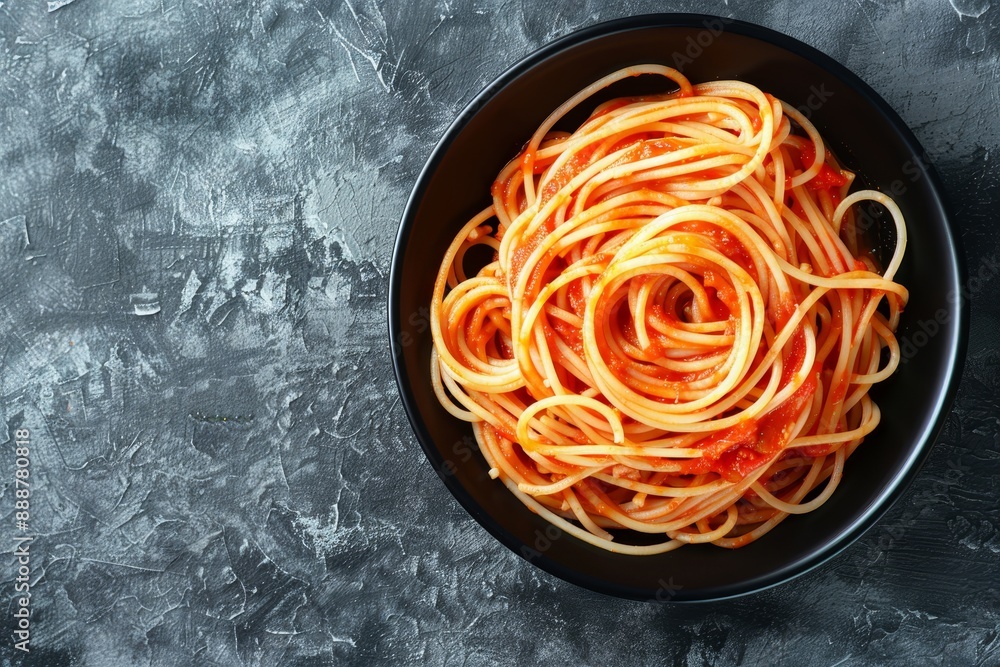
[197, 207]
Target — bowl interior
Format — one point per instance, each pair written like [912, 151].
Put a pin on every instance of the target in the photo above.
[863, 133]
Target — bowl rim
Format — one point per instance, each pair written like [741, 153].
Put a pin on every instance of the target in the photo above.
[907, 469]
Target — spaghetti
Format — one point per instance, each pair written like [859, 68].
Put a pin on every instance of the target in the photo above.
[680, 324]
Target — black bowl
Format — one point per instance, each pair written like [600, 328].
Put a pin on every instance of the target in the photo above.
[862, 131]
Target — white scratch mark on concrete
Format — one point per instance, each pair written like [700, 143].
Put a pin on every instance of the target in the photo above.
[59, 4]
[189, 291]
[971, 8]
[145, 303]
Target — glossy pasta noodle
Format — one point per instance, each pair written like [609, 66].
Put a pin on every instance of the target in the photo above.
[680, 324]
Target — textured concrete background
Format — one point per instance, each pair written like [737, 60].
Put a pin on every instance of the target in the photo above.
[197, 207]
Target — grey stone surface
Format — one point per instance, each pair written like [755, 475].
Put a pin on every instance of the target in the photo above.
[197, 205]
